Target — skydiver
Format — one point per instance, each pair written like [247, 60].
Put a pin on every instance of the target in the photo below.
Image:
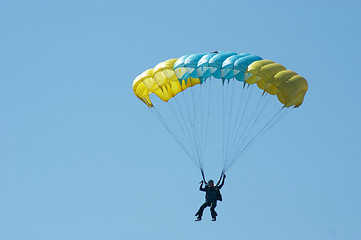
[213, 195]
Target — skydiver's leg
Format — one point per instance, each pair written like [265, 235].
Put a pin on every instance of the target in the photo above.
[213, 211]
[201, 209]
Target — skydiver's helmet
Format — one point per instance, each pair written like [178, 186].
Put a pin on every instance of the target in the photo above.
[210, 183]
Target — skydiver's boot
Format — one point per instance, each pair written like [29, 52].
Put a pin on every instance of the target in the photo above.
[199, 218]
[213, 219]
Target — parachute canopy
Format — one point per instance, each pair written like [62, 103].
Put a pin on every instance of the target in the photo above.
[170, 77]
[256, 94]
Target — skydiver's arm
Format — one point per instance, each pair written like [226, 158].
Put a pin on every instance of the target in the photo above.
[201, 188]
[224, 177]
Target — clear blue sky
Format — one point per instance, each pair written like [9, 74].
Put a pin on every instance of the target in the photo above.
[78, 162]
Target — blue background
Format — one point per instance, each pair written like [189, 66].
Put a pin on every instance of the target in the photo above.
[79, 161]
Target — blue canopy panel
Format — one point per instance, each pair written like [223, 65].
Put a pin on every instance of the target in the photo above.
[222, 65]
[191, 63]
[228, 65]
[216, 62]
[203, 68]
[241, 65]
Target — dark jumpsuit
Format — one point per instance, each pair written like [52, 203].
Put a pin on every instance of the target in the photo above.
[212, 195]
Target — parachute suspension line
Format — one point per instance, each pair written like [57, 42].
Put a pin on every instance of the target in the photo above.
[197, 105]
[254, 139]
[207, 84]
[223, 117]
[283, 112]
[248, 127]
[269, 111]
[192, 118]
[266, 102]
[183, 125]
[230, 117]
[225, 96]
[224, 100]
[238, 113]
[194, 105]
[162, 120]
[247, 130]
[190, 106]
[201, 121]
[277, 117]
[188, 122]
[242, 112]
[251, 124]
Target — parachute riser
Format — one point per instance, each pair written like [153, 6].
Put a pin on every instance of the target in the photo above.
[204, 178]
[220, 178]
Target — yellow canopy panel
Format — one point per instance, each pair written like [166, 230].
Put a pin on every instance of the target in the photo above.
[162, 81]
[275, 79]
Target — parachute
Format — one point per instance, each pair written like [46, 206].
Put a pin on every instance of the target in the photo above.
[242, 94]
